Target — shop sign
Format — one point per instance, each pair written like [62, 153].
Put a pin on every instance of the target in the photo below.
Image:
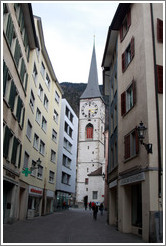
[9, 174]
[132, 179]
[35, 191]
[113, 184]
[50, 193]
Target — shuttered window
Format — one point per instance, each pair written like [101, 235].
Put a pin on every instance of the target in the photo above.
[6, 143]
[131, 144]
[12, 95]
[160, 31]
[9, 30]
[128, 98]
[17, 53]
[23, 115]
[14, 151]
[5, 77]
[128, 55]
[160, 78]
[125, 25]
[19, 161]
[19, 108]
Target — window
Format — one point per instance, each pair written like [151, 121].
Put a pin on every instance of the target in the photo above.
[40, 92]
[42, 147]
[53, 156]
[131, 144]
[40, 172]
[36, 141]
[66, 178]
[32, 101]
[17, 53]
[67, 145]
[9, 29]
[159, 30]
[55, 116]
[136, 198]
[128, 98]
[51, 176]
[26, 160]
[45, 102]
[7, 142]
[89, 131]
[160, 78]
[94, 195]
[44, 124]
[34, 74]
[57, 97]
[66, 161]
[42, 69]
[16, 154]
[12, 96]
[86, 181]
[71, 117]
[38, 116]
[54, 135]
[47, 81]
[29, 130]
[33, 173]
[68, 129]
[128, 55]
[125, 25]
[67, 111]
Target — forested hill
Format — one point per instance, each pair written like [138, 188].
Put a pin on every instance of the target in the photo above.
[73, 91]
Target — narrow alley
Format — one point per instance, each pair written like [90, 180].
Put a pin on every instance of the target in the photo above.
[68, 226]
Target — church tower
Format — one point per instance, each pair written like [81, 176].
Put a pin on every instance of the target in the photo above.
[90, 167]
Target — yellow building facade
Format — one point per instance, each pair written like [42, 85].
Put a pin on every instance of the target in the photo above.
[41, 132]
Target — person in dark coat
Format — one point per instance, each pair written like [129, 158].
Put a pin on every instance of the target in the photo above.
[90, 206]
[101, 208]
[95, 211]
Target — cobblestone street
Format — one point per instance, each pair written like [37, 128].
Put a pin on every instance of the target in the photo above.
[69, 226]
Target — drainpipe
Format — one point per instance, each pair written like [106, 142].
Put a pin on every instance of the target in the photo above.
[157, 111]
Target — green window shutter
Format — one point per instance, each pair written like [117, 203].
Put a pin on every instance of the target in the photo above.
[22, 71]
[19, 162]
[22, 123]
[26, 82]
[12, 95]
[6, 141]
[5, 76]
[17, 53]
[14, 151]
[9, 30]
[19, 107]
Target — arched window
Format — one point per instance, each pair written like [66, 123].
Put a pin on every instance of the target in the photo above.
[89, 131]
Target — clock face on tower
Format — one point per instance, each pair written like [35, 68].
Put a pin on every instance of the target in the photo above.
[89, 109]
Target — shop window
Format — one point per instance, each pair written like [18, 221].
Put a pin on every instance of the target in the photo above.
[89, 131]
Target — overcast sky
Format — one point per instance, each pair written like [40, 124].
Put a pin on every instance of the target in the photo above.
[69, 28]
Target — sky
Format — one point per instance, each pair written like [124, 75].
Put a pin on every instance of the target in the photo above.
[69, 28]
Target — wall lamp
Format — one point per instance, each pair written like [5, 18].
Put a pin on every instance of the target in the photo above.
[103, 175]
[141, 135]
[36, 166]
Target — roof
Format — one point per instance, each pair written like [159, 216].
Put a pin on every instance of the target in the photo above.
[97, 172]
[92, 89]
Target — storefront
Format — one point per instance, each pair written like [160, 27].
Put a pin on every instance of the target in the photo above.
[49, 202]
[34, 201]
[62, 200]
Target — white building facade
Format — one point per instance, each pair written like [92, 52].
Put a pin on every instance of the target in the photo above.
[67, 156]
[90, 183]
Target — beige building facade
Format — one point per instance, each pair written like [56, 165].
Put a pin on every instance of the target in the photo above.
[133, 78]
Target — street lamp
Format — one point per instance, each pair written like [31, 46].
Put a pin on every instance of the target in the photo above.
[36, 165]
[141, 135]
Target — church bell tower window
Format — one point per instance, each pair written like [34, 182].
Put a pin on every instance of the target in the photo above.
[89, 131]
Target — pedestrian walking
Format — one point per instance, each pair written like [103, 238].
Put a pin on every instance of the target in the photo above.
[101, 208]
[95, 211]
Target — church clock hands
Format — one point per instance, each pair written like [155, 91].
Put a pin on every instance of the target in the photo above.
[89, 109]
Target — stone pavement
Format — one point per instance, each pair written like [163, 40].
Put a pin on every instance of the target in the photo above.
[68, 226]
